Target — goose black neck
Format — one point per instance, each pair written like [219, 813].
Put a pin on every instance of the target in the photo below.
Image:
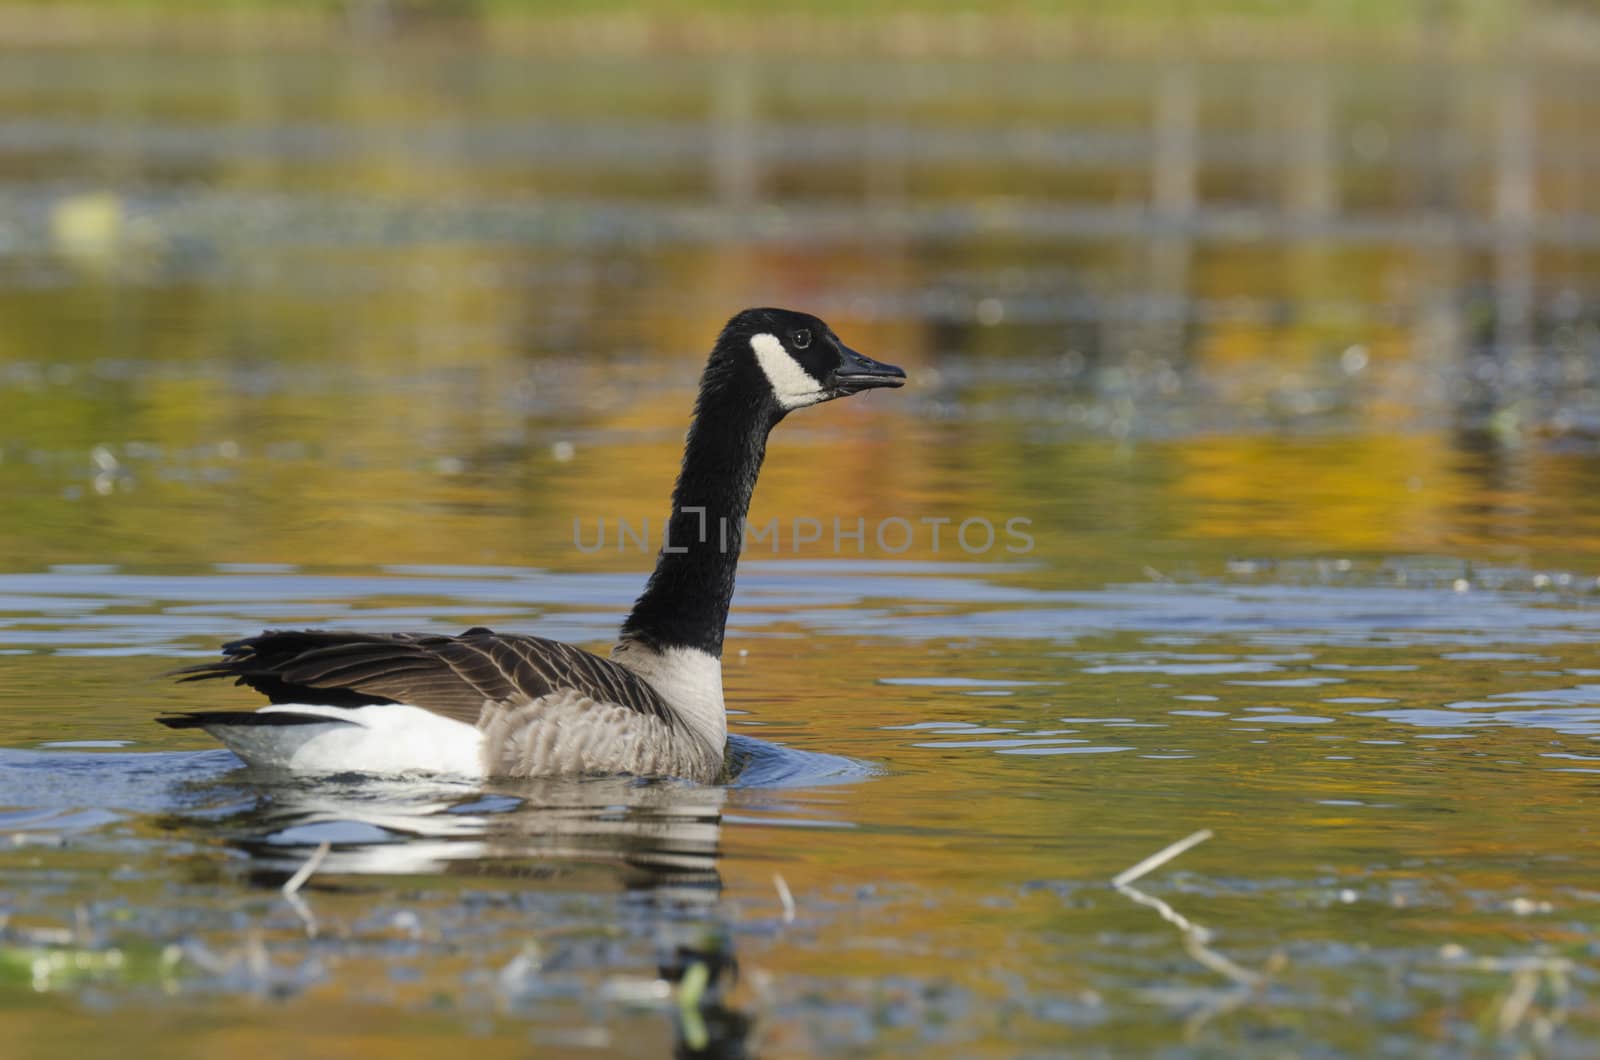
[685, 603]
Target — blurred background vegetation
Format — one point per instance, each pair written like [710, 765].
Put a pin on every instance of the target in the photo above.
[1251, 277]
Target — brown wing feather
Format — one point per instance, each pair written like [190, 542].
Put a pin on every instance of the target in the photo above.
[452, 676]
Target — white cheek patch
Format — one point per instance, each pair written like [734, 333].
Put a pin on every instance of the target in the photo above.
[792, 385]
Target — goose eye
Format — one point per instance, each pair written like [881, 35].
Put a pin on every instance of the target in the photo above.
[801, 339]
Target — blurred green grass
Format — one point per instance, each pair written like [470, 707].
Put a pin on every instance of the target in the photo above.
[1382, 13]
[1351, 28]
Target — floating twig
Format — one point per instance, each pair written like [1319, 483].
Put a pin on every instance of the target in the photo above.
[1196, 938]
[291, 888]
[304, 873]
[785, 896]
[1160, 858]
[1516, 1008]
[1518, 1000]
[1169, 914]
[1219, 963]
[303, 911]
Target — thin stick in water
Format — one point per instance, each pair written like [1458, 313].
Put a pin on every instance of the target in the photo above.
[314, 862]
[784, 896]
[1160, 858]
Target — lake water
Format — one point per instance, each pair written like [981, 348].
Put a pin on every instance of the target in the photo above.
[1278, 387]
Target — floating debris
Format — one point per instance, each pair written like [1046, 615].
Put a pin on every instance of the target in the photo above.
[784, 896]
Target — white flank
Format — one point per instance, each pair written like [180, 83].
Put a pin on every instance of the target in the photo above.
[689, 679]
[792, 385]
[389, 738]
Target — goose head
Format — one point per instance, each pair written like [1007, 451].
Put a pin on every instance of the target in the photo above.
[799, 359]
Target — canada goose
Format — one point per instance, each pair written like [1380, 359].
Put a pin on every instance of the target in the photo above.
[507, 704]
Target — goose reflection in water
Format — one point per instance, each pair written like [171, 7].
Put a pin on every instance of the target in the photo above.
[660, 837]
